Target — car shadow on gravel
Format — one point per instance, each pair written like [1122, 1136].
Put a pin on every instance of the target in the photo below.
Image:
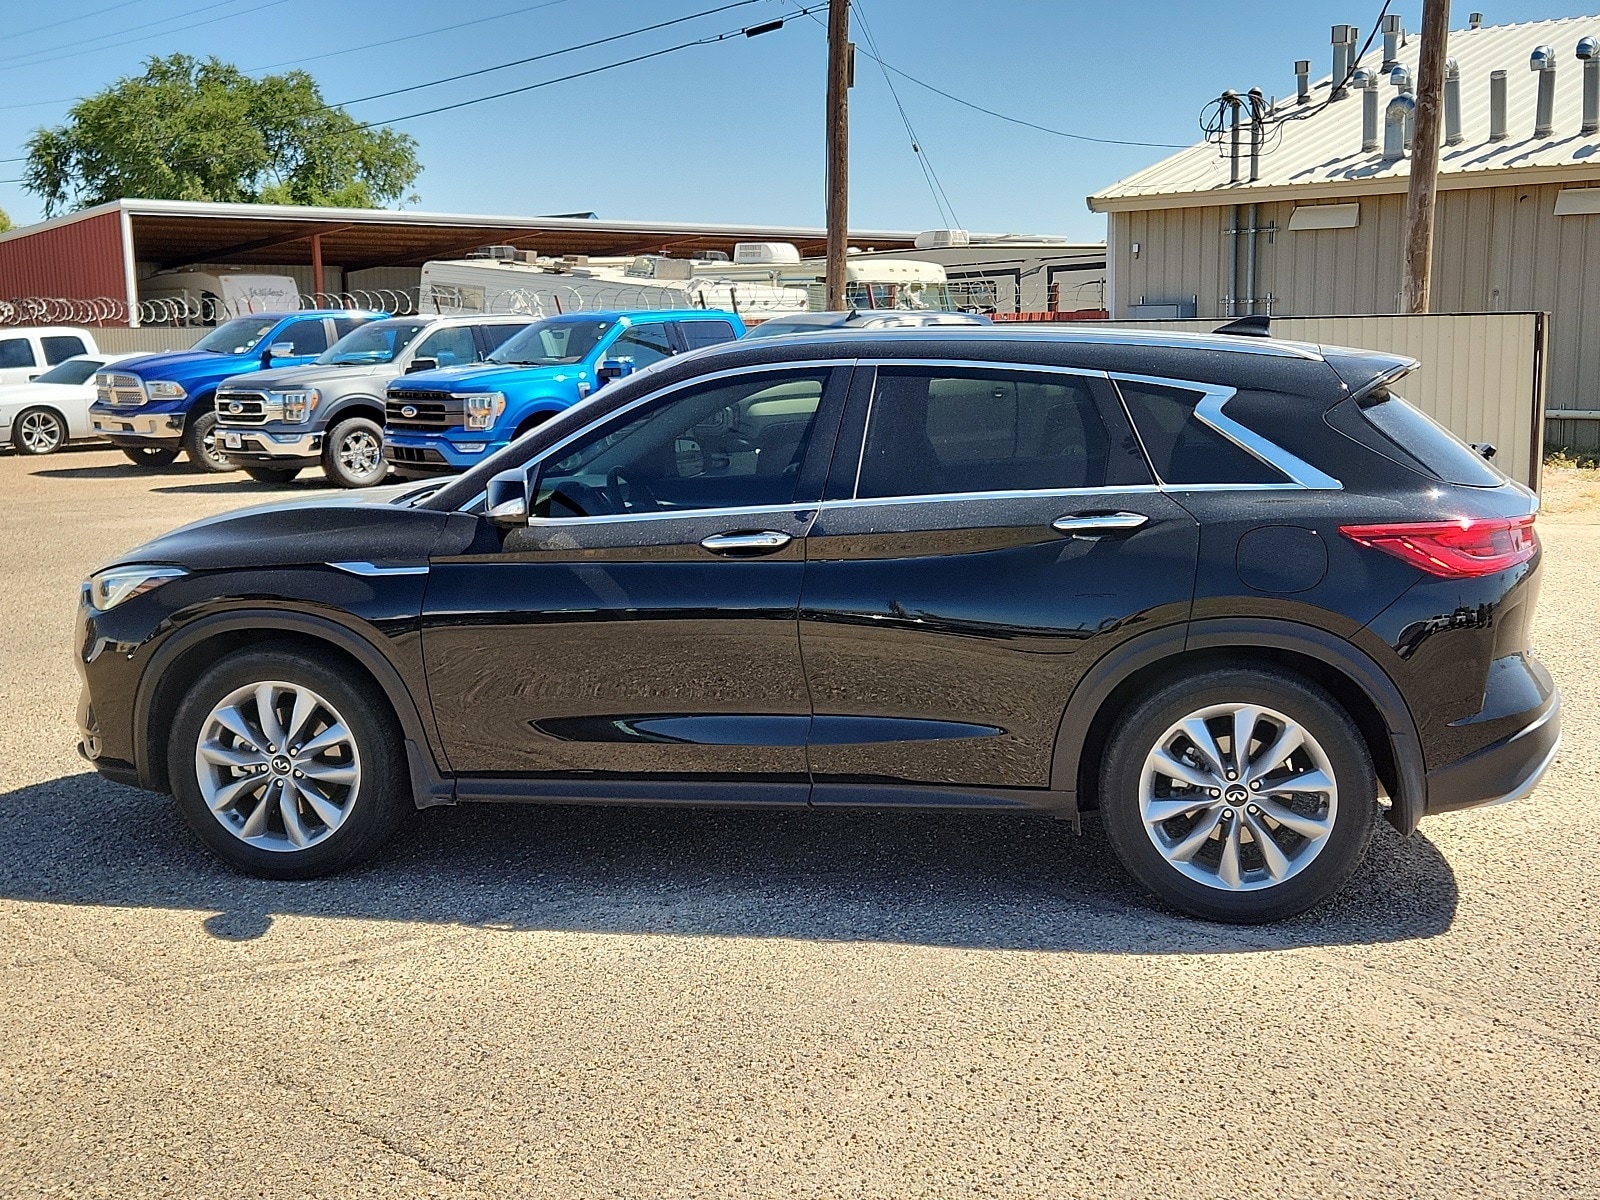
[944, 879]
[244, 486]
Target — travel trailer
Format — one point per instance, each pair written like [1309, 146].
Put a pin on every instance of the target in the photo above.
[761, 280]
[1014, 272]
[211, 297]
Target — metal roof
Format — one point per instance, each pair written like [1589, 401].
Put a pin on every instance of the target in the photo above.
[174, 233]
[1320, 155]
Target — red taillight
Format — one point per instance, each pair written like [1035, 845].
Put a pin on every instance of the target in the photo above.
[1457, 549]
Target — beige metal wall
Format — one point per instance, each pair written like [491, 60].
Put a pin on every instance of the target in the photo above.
[1498, 250]
[152, 339]
[1481, 375]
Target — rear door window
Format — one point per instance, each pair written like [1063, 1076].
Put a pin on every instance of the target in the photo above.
[60, 347]
[705, 333]
[1182, 448]
[16, 352]
[949, 432]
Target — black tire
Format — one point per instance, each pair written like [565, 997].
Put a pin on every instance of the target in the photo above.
[380, 798]
[353, 438]
[200, 444]
[151, 458]
[272, 474]
[1135, 736]
[38, 431]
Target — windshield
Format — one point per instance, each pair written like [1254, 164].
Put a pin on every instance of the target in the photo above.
[237, 337]
[74, 370]
[378, 342]
[913, 294]
[551, 343]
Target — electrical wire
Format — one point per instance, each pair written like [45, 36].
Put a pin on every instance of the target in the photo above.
[409, 37]
[257, 7]
[13, 34]
[941, 199]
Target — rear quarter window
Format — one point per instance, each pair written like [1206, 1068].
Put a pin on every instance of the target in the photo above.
[1182, 448]
[1412, 438]
[59, 347]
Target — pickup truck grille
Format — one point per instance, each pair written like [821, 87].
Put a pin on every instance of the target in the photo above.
[124, 390]
[422, 411]
[244, 408]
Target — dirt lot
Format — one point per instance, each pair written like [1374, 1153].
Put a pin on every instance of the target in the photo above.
[635, 1003]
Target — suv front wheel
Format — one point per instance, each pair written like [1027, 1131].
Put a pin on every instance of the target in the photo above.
[286, 768]
[1239, 795]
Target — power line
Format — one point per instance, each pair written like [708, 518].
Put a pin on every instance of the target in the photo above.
[256, 9]
[409, 37]
[519, 62]
[12, 34]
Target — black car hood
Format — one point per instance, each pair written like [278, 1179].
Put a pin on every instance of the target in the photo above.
[368, 526]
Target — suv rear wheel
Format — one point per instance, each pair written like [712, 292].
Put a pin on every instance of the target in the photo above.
[200, 444]
[150, 457]
[352, 453]
[1239, 795]
[286, 768]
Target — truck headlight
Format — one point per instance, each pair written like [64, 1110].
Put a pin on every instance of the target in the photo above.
[163, 389]
[299, 405]
[482, 409]
[111, 587]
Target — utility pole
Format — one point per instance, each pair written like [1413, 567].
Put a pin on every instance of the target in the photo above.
[838, 178]
[1425, 156]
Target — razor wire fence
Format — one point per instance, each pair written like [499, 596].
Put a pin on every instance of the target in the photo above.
[179, 311]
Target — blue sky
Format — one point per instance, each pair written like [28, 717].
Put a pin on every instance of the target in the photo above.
[730, 131]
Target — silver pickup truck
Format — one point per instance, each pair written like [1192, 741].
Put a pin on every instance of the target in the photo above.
[277, 423]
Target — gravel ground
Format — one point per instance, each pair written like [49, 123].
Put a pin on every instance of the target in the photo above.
[653, 1003]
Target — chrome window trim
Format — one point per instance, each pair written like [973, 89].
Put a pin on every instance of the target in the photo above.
[370, 570]
[1018, 494]
[649, 398]
[1302, 475]
[678, 513]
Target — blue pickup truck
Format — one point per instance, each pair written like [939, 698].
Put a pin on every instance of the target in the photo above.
[153, 406]
[447, 420]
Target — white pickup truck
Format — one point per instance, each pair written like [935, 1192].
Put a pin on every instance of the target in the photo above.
[25, 354]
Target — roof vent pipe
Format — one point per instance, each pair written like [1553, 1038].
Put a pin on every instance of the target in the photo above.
[1452, 102]
[1589, 55]
[1302, 80]
[1392, 33]
[1497, 106]
[1542, 62]
[1366, 82]
[1401, 78]
[1232, 103]
[1396, 121]
[1474, 20]
[1344, 46]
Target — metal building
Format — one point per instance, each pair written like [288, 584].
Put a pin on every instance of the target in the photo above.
[1301, 212]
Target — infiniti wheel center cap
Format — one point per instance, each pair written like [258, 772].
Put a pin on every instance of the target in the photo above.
[1236, 795]
[280, 765]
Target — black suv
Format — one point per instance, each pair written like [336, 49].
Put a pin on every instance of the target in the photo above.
[1233, 592]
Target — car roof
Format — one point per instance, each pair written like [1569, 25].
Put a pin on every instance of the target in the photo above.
[638, 315]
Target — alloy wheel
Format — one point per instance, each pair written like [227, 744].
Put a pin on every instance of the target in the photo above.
[213, 451]
[1238, 797]
[40, 432]
[278, 766]
[360, 453]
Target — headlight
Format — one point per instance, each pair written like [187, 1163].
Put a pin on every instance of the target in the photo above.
[298, 406]
[109, 588]
[482, 408]
[161, 389]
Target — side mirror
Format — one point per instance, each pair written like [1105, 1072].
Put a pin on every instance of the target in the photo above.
[506, 499]
[1487, 449]
[612, 368]
[422, 364]
[277, 350]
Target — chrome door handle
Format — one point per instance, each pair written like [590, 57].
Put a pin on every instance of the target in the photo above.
[749, 543]
[1089, 525]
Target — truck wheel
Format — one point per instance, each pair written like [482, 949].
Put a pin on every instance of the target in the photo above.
[272, 474]
[152, 458]
[352, 453]
[39, 431]
[200, 443]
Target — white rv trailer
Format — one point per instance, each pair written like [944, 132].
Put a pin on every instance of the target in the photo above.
[764, 279]
[210, 297]
[1014, 272]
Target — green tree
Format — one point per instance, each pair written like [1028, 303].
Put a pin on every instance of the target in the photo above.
[192, 130]
[5, 221]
